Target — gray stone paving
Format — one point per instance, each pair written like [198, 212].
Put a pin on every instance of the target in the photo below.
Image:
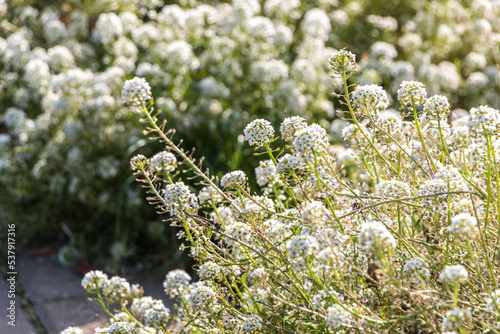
[58, 299]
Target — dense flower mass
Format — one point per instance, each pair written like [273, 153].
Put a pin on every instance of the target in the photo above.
[383, 242]
[323, 231]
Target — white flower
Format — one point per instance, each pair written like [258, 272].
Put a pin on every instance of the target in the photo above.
[72, 330]
[437, 107]
[157, 315]
[176, 281]
[376, 239]
[119, 327]
[259, 132]
[210, 270]
[266, 173]
[163, 161]
[117, 287]
[141, 305]
[337, 317]
[314, 213]
[453, 274]
[258, 276]
[289, 162]
[484, 119]
[456, 319]
[492, 300]
[416, 271]
[135, 91]
[92, 278]
[302, 246]
[209, 195]
[178, 198]
[412, 92]
[202, 298]
[369, 98]
[343, 60]
[251, 325]
[291, 125]
[310, 141]
[463, 224]
[393, 189]
[233, 178]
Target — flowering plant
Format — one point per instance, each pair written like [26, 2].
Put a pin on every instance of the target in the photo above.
[409, 245]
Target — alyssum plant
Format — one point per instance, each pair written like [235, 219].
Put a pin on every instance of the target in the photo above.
[411, 246]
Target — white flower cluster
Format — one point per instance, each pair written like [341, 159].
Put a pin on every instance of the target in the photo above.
[451, 275]
[291, 125]
[302, 246]
[484, 119]
[209, 195]
[456, 319]
[369, 98]
[163, 161]
[376, 239]
[176, 282]
[266, 173]
[412, 92]
[210, 271]
[463, 225]
[234, 178]
[311, 141]
[251, 325]
[337, 317]
[393, 189]
[343, 61]
[178, 198]
[416, 272]
[136, 91]
[72, 330]
[259, 132]
[437, 107]
[203, 298]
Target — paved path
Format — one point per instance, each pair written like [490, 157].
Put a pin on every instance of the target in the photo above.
[57, 298]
